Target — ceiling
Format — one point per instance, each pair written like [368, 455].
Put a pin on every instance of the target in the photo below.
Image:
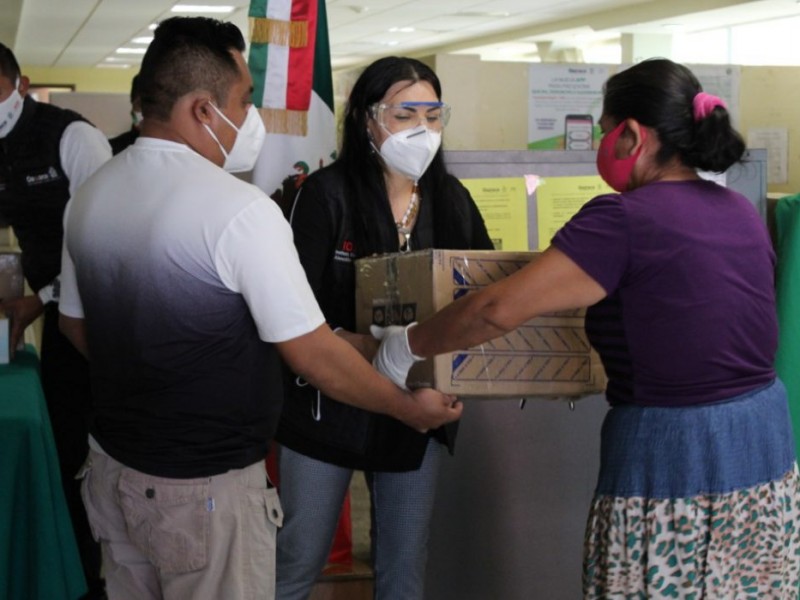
[87, 33]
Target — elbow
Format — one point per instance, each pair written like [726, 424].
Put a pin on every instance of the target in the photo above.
[488, 317]
[497, 317]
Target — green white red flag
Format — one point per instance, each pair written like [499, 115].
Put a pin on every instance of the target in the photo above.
[290, 63]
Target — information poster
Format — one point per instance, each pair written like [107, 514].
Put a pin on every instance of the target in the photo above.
[503, 203]
[565, 102]
[558, 198]
[776, 141]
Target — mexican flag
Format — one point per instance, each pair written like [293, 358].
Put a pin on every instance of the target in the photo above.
[291, 68]
[290, 61]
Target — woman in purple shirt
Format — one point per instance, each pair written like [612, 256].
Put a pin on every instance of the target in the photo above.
[698, 488]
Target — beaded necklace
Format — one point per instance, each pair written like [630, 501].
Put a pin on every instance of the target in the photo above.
[406, 223]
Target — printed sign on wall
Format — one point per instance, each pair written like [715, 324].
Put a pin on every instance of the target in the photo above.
[565, 102]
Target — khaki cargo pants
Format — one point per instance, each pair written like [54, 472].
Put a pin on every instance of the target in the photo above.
[206, 538]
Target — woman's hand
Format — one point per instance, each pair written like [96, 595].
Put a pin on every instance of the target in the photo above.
[394, 358]
[22, 312]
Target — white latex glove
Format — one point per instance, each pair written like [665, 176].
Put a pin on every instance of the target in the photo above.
[394, 357]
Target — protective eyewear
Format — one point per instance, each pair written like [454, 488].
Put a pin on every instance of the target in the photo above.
[407, 115]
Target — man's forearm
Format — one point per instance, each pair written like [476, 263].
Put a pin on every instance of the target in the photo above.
[341, 372]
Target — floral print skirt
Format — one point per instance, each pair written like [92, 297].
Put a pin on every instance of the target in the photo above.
[696, 502]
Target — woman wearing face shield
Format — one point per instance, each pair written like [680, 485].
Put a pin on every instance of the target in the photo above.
[388, 191]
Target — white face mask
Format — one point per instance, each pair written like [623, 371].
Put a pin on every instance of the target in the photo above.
[10, 111]
[249, 139]
[410, 152]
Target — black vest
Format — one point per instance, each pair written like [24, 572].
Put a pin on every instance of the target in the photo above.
[34, 188]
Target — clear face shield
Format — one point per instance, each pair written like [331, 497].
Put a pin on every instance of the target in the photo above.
[395, 118]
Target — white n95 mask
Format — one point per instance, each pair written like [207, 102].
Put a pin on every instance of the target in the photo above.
[249, 140]
[10, 111]
[411, 152]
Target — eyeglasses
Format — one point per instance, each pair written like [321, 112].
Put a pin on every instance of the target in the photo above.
[407, 115]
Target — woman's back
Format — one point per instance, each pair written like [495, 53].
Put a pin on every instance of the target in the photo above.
[688, 267]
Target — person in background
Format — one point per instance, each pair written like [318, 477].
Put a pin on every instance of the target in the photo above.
[182, 285]
[125, 139]
[46, 153]
[388, 191]
[697, 494]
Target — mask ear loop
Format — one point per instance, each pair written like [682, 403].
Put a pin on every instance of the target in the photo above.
[372, 142]
[370, 137]
[224, 118]
[216, 139]
[214, 135]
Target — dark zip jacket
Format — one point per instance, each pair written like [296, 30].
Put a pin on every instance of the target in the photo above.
[312, 423]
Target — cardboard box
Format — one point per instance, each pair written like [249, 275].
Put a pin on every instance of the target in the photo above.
[12, 285]
[549, 356]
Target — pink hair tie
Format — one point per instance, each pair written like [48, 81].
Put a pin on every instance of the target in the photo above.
[704, 103]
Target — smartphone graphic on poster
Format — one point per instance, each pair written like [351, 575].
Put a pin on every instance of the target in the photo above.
[578, 132]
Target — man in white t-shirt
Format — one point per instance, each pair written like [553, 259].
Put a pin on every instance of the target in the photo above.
[182, 285]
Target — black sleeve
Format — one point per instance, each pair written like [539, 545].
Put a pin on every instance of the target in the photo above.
[314, 233]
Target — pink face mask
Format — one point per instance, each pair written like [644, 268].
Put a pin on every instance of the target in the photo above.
[616, 172]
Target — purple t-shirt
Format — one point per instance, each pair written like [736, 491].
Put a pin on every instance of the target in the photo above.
[689, 271]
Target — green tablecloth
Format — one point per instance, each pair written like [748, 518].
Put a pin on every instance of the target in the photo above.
[38, 555]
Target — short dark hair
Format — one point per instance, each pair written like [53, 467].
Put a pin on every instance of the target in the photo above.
[659, 94]
[9, 67]
[188, 54]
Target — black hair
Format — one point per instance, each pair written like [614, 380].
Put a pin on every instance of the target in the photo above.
[188, 54]
[659, 94]
[362, 166]
[9, 67]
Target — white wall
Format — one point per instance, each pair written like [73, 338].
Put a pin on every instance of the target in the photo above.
[490, 108]
[110, 113]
